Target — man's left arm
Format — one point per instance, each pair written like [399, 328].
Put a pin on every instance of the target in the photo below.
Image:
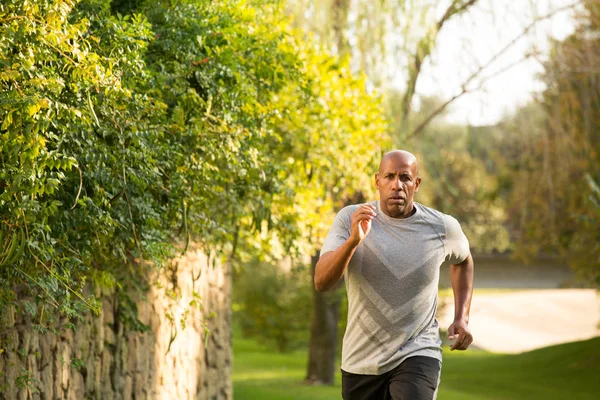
[461, 276]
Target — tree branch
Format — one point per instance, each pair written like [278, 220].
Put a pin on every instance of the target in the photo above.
[463, 91]
[339, 9]
[483, 67]
[79, 191]
[423, 51]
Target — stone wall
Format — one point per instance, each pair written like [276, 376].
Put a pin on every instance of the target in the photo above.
[167, 362]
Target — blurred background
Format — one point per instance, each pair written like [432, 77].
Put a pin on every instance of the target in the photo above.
[169, 170]
[500, 103]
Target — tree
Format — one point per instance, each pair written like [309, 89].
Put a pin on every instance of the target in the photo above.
[371, 23]
[328, 139]
[554, 181]
[132, 128]
[415, 29]
[324, 321]
[340, 136]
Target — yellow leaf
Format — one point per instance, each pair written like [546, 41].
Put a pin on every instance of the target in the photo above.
[33, 109]
[7, 121]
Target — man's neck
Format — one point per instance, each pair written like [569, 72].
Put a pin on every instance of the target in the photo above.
[412, 212]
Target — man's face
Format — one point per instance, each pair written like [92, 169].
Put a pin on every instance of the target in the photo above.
[397, 182]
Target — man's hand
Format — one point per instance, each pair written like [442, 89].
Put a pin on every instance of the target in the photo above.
[460, 331]
[361, 222]
[332, 264]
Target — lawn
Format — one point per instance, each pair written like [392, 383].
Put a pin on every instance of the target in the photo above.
[569, 371]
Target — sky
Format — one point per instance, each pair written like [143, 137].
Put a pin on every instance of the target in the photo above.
[471, 40]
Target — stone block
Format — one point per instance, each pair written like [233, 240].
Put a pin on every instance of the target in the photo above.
[12, 340]
[133, 352]
[124, 365]
[32, 367]
[76, 387]
[10, 317]
[108, 311]
[98, 335]
[64, 349]
[144, 310]
[127, 388]
[106, 391]
[139, 384]
[57, 368]
[213, 380]
[109, 335]
[47, 383]
[81, 342]
[34, 346]
[47, 348]
[67, 335]
[97, 377]
[24, 339]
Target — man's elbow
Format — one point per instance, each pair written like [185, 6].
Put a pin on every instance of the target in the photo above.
[320, 285]
[467, 262]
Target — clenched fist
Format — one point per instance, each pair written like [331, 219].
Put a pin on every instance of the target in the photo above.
[361, 222]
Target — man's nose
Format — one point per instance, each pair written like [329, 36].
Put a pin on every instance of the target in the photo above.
[397, 184]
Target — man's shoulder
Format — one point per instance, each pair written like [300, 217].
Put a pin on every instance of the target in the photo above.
[430, 212]
[432, 215]
[435, 215]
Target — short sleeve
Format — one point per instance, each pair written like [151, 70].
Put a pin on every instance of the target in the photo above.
[339, 231]
[456, 244]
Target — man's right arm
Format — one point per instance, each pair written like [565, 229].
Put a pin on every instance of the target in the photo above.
[332, 264]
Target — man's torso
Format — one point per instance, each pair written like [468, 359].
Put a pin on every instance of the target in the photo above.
[392, 282]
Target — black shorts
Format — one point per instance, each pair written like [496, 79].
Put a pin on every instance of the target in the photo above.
[416, 378]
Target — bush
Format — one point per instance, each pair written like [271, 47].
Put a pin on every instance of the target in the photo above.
[273, 305]
[122, 134]
[131, 127]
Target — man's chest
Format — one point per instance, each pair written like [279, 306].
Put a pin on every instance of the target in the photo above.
[392, 257]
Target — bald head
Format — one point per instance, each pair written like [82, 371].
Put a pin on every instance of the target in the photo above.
[401, 157]
[397, 181]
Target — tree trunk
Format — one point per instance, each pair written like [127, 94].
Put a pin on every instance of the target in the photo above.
[323, 333]
[324, 323]
[423, 51]
[339, 13]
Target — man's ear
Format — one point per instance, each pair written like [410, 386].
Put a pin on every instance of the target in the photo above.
[417, 183]
[377, 180]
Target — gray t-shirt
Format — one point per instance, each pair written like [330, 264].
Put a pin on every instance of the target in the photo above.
[392, 285]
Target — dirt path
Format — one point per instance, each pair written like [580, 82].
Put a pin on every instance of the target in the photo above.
[513, 322]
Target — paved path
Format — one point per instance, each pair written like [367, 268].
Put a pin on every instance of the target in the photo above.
[513, 322]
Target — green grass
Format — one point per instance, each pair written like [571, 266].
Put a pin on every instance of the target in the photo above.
[569, 371]
[263, 375]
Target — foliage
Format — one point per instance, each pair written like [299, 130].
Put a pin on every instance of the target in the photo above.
[56, 138]
[459, 185]
[474, 375]
[386, 35]
[25, 380]
[336, 134]
[552, 156]
[459, 175]
[130, 129]
[273, 305]
[585, 245]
